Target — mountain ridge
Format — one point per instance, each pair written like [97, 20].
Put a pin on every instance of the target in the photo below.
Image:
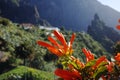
[105, 35]
[73, 14]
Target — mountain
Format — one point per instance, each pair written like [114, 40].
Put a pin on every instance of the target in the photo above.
[16, 13]
[72, 14]
[105, 35]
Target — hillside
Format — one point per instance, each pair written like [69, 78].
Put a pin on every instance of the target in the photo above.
[72, 14]
[18, 46]
[15, 39]
[31, 73]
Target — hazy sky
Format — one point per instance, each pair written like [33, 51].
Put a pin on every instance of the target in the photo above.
[115, 4]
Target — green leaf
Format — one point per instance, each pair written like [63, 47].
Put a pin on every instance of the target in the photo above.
[102, 64]
[99, 72]
[75, 65]
[90, 63]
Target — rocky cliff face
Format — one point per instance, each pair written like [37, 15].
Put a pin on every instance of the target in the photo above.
[21, 13]
[103, 34]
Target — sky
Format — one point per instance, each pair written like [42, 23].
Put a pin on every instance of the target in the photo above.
[115, 4]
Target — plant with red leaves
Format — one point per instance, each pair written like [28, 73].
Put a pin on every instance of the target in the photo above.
[118, 26]
[73, 68]
[62, 49]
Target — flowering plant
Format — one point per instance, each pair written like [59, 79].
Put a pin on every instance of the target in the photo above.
[73, 68]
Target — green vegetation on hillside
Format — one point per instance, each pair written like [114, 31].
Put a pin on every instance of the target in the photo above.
[20, 72]
[18, 46]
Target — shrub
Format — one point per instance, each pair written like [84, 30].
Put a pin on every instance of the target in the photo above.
[22, 72]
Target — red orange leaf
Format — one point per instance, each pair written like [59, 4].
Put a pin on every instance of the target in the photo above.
[119, 20]
[101, 59]
[44, 44]
[118, 27]
[55, 51]
[110, 67]
[72, 38]
[68, 75]
[54, 42]
[84, 50]
[117, 57]
[61, 38]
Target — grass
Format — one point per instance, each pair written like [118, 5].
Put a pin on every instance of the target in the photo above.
[20, 71]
